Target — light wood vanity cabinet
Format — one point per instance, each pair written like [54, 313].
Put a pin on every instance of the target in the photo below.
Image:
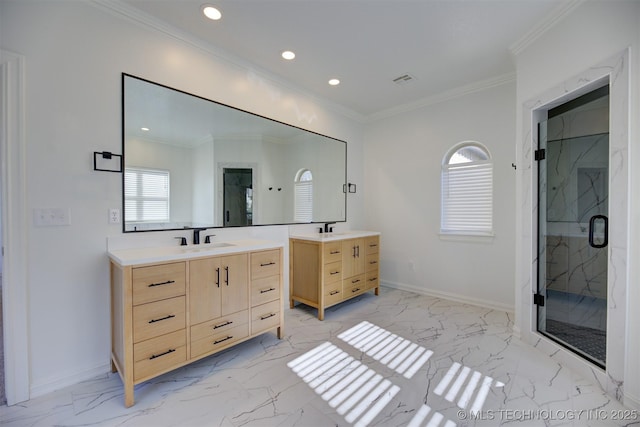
[218, 287]
[166, 315]
[325, 273]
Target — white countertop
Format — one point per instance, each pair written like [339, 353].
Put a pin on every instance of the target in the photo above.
[329, 237]
[151, 255]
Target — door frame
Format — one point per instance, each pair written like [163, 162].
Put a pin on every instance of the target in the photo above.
[616, 69]
[14, 229]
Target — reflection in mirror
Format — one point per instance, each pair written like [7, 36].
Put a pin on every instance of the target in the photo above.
[191, 162]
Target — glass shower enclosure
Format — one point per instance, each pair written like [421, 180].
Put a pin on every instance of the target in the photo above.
[573, 177]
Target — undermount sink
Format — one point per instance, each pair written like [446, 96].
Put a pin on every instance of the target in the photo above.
[207, 246]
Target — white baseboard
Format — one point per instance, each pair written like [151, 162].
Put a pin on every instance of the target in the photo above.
[449, 296]
[57, 382]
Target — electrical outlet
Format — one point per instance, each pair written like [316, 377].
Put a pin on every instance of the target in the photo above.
[114, 216]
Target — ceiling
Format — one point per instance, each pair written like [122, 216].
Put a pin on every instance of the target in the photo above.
[442, 44]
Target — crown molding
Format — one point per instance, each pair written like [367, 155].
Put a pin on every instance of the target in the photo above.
[144, 20]
[550, 21]
[445, 96]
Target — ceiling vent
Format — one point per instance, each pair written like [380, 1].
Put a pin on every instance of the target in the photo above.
[403, 79]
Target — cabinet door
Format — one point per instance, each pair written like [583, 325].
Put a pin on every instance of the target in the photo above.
[234, 282]
[353, 257]
[206, 278]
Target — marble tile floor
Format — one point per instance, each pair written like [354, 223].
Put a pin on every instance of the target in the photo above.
[448, 359]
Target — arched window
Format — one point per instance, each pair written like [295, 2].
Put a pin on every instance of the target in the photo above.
[303, 190]
[467, 190]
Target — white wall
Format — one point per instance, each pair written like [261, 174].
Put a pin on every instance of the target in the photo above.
[75, 53]
[403, 157]
[592, 33]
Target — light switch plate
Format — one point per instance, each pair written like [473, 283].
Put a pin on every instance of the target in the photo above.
[51, 217]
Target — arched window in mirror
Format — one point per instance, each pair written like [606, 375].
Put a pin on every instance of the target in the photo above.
[467, 190]
[303, 198]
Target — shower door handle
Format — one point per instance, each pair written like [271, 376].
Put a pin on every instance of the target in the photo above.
[592, 223]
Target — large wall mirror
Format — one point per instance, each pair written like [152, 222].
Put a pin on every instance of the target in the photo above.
[191, 162]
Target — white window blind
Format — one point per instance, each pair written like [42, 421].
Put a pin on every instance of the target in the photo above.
[303, 203]
[146, 195]
[467, 198]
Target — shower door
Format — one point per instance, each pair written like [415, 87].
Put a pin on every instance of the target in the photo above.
[573, 176]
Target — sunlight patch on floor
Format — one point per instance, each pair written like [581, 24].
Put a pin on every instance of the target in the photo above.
[397, 353]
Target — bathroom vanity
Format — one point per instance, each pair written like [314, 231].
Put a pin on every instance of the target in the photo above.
[174, 305]
[326, 269]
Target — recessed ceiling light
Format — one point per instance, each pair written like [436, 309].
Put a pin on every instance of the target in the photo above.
[334, 82]
[211, 12]
[288, 55]
[145, 129]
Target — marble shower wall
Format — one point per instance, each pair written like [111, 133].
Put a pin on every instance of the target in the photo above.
[576, 189]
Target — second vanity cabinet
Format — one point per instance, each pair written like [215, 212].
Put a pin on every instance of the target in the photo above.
[166, 314]
[327, 270]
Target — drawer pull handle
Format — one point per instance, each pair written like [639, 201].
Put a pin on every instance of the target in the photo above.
[334, 292]
[333, 272]
[355, 281]
[155, 356]
[264, 291]
[228, 322]
[223, 340]
[162, 318]
[168, 282]
[373, 262]
[373, 245]
[267, 316]
[355, 290]
[334, 252]
[268, 263]
[373, 279]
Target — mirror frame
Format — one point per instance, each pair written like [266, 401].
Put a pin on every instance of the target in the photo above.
[123, 95]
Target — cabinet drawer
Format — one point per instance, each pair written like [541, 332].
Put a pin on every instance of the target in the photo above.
[265, 316]
[158, 318]
[354, 286]
[372, 245]
[332, 252]
[265, 290]
[159, 354]
[219, 340]
[158, 282]
[333, 294]
[218, 326]
[333, 272]
[372, 279]
[264, 264]
[371, 262]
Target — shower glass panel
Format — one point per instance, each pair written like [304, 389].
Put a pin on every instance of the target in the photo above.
[573, 176]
